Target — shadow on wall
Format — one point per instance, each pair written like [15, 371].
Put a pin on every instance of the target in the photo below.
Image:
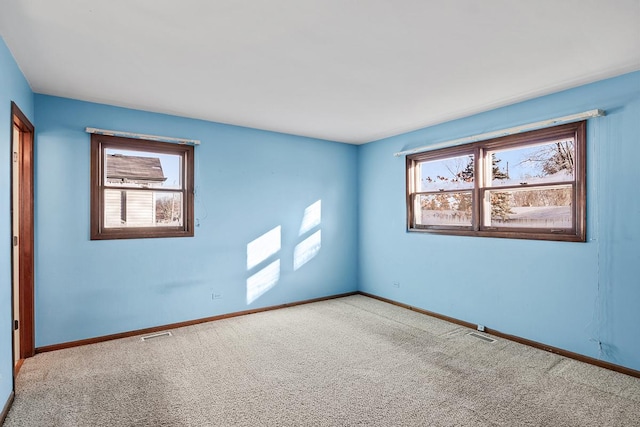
[265, 247]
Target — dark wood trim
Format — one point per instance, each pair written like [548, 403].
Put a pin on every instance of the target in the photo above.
[409, 194]
[145, 331]
[17, 367]
[565, 353]
[524, 341]
[577, 233]
[6, 408]
[580, 210]
[97, 230]
[26, 231]
[420, 310]
[514, 338]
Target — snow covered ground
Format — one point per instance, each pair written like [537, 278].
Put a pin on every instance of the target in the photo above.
[534, 217]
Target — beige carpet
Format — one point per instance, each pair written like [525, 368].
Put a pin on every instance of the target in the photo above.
[352, 361]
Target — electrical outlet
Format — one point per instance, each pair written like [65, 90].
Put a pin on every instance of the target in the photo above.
[396, 284]
[481, 328]
[216, 295]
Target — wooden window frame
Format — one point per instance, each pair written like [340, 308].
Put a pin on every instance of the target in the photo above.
[99, 143]
[577, 233]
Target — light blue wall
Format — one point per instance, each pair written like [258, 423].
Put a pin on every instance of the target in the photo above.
[13, 87]
[247, 183]
[568, 295]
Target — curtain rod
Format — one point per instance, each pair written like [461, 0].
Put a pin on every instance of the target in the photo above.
[504, 132]
[143, 136]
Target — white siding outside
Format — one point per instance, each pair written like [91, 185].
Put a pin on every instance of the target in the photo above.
[140, 205]
[112, 208]
[141, 209]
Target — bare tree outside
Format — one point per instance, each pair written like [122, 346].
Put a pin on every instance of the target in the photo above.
[168, 209]
[450, 180]
[529, 185]
[548, 163]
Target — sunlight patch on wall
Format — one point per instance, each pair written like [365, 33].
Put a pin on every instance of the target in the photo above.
[263, 247]
[312, 217]
[306, 250]
[262, 281]
[259, 251]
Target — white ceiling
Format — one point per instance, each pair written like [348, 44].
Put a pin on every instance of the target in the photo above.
[344, 70]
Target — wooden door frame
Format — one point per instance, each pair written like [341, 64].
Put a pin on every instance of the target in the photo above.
[25, 231]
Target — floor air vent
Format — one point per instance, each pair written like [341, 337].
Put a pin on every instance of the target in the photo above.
[481, 337]
[158, 335]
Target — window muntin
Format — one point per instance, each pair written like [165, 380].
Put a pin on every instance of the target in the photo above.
[140, 188]
[530, 185]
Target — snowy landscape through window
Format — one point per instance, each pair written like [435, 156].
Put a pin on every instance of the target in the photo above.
[529, 185]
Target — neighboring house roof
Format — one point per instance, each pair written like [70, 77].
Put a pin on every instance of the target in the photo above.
[133, 168]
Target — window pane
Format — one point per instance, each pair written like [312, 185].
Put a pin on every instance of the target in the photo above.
[453, 173]
[534, 164]
[446, 209]
[131, 208]
[141, 169]
[169, 209]
[531, 207]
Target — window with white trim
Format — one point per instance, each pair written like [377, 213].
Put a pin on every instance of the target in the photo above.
[528, 186]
